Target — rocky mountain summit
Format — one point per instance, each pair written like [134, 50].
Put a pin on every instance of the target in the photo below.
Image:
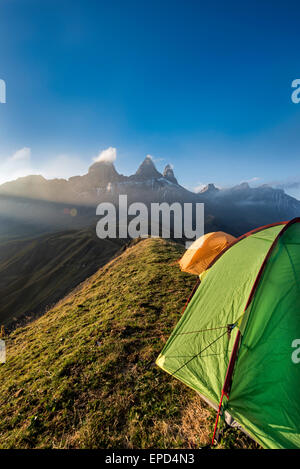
[101, 182]
[34, 200]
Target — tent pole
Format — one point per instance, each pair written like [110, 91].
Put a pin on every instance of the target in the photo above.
[229, 373]
[227, 382]
[217, 419]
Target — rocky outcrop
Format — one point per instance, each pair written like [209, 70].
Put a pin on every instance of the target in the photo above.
[169, 174]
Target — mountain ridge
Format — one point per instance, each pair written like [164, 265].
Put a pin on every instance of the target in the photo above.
[237, 209]
[102, 173]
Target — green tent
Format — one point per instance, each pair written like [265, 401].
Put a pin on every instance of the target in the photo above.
[238, 341]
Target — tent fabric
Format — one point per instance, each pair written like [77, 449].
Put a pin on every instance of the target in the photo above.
[264, 396]
[264, 391]
[203, 251]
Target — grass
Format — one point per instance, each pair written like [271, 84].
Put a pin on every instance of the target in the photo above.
[84, 374]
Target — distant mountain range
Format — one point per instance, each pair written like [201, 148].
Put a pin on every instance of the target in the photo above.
[102, 182]
[242, 208]
[34, 205]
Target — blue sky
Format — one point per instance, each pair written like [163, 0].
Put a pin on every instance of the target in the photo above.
[205, 86]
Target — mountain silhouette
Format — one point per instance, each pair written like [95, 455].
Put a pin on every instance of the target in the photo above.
[35, 205]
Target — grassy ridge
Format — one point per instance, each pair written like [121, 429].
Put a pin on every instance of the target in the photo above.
[83, 375]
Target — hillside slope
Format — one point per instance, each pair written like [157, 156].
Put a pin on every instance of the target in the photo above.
[84, 375]
[37, 272]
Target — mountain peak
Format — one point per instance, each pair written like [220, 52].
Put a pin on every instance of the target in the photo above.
[169, 174]
[242, 186]
[209, 189]
[100, 164]
[102, 172]
[147, 169]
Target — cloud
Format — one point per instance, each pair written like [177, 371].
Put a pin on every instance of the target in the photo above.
[22, 154]
[62, 166]
[290, 187]
[199, 187]
[109, 155]
[15, 166]
[254, 179]
[20, 164]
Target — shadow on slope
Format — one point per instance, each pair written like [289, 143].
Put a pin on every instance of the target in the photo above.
[37, 272]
